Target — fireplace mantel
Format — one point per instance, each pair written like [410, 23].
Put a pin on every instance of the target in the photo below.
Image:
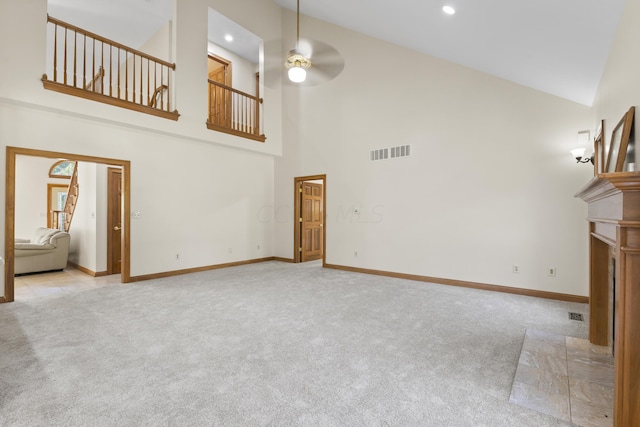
[614, 226]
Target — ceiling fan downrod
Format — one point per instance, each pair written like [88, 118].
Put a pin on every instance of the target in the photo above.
[297, 63]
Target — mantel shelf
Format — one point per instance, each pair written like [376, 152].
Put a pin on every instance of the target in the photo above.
[607, 184]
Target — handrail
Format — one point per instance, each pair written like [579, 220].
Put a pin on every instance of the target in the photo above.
[239, 92]
[90, 66]
[109, 41]
[233, 111]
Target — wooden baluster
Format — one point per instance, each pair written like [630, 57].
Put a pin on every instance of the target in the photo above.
[93, 65]
[101, 78]
[84, 61]
[55, 53]
[235, 106]
[65, 57]
[210, 103]
[168, 89]
[148, 79]
[141, 85]
[119, 67]
[252, 111]
[126, 76]
[133, 77]
[155, 82]
[75, 64]
[111, 70]
[162, 82]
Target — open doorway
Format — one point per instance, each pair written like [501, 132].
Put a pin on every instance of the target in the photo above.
[309, 225]
[10, 209]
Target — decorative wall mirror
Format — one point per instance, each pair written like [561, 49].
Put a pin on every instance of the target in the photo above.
[619, 142]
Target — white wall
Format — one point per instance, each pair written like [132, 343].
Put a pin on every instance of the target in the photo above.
[88, 227]
[101, 217]
[32, 177]
[620, 85]
[490, 183]
[200, 193]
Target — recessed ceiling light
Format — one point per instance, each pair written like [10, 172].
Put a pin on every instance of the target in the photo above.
[228, 37]
[448, 10]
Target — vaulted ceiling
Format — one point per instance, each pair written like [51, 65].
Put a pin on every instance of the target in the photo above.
[556, 46]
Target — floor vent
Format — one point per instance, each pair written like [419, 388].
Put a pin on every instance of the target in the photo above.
[576, 316]
[390, 153]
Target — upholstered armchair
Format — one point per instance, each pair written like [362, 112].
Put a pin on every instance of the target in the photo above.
[47, 250]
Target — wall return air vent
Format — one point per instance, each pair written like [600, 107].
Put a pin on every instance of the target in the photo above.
[390, 153]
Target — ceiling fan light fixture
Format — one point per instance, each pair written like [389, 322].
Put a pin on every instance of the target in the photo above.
[297, 74]
[297, 65]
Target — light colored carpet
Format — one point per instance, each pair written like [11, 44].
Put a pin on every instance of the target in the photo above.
[271, 344]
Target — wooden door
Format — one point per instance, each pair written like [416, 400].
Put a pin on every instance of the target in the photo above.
[219, 98]
[114, 220]
[312, 214]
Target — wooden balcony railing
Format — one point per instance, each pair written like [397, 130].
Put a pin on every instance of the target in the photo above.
[235, 112]
[87, 65]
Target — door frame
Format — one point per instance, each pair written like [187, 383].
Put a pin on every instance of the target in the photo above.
[10, 209]
[297, 212]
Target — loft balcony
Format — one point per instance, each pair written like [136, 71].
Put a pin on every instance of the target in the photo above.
[235, 112]
[90, 66]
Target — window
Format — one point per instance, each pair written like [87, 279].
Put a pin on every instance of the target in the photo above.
[62, 169]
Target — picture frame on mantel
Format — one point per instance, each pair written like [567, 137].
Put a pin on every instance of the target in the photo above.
[619, 142]
[599, 150]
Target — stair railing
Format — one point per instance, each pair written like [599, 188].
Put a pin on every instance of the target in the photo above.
[72, 198]
[235, 112]
[90, 66]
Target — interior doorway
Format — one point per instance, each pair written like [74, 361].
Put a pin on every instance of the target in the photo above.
[10, 213]
[309, 218]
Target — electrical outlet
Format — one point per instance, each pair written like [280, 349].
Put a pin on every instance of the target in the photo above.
[355, 253]
[516, 268]
[551, 271]
[177, 257]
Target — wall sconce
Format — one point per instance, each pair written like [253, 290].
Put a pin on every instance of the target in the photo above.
[584, 138]
[578, 153]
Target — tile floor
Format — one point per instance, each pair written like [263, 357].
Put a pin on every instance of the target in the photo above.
[565, 377]
[37, 285]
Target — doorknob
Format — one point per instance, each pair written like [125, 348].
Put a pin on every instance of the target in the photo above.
[117, 228]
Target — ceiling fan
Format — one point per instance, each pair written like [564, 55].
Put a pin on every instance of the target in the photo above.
[312, 62]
